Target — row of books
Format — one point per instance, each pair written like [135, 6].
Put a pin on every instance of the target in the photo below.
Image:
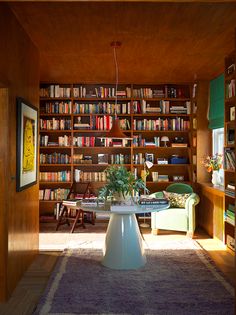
[102, 158]
[105, 123]
[55, 90]
[55, 124]
[53, 194]
[101, 92]
[160, 92]
[174, 124]
[138, 141]
[55, 158]
[99, 123]
[120, 158]
[230, 214]
[63, 141]
[81, 176]
[84, 141]
[57, 108]
[61, 176]
[110, 108]
[101, 108]
[229, 160]
[163, 107]
[85, 91]
[139, 158]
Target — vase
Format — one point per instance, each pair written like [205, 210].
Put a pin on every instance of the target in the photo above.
[215, 178]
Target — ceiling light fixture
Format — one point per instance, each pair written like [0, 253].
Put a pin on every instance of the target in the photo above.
[115, 131]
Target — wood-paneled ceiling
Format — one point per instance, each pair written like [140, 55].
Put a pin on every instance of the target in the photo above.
[161, 42]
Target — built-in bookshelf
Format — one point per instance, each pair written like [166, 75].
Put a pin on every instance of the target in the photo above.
[229, 150]
[160, 119]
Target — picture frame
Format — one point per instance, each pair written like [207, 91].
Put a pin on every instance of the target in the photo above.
[149, 157]
[26, 144]
[232, 113]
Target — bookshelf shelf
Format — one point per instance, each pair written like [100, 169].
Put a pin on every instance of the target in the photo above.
[170, 108]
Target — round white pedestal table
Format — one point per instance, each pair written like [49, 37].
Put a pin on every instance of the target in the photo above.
[123, 247]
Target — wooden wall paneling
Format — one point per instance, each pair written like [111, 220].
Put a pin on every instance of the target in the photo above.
[210, 215]
[204, 135]
[19, 66]
[4, 175]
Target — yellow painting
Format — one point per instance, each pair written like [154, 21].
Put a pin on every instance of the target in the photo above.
[28, 145]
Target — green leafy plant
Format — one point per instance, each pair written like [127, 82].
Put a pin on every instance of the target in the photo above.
[120, 181]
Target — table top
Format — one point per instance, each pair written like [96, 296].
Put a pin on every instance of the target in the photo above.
[120, 209]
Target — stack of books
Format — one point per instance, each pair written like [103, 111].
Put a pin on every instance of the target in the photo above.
[153, 201]
[71, 202]
[92, 202]
[230, 189]
[230, 214]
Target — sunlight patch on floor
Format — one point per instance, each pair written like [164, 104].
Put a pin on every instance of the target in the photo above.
[60, 241]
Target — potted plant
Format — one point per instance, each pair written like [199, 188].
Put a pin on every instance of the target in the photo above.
[121, 185]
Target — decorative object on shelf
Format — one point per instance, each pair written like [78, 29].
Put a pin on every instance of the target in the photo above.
[121, 185]
[146, 166]
[213, 164]
[215, 178]
[27, 139]
[165, 139]
[115, 131]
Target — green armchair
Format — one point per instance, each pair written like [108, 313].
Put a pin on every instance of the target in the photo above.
[173, 218]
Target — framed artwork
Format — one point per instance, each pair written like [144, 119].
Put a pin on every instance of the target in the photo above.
[27, 148]
[232, 113]
[149, 157]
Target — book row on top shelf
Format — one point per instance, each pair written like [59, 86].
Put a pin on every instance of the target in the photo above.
[229, 150]
[171, 91]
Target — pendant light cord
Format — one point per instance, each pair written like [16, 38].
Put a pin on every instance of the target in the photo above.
[117, 79]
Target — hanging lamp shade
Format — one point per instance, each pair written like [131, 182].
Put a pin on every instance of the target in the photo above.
[115, 132]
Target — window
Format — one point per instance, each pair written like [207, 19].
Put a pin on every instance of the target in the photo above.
[218, 147]
[218, 141]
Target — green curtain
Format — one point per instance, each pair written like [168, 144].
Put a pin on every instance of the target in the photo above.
[216, 112]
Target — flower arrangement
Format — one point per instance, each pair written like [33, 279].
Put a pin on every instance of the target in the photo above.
[213, 163]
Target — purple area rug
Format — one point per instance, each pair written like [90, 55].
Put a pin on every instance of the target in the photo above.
[174, 281]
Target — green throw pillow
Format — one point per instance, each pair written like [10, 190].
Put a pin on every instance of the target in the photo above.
[176, 200]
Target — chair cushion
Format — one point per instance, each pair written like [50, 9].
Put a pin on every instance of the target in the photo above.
[176, 200]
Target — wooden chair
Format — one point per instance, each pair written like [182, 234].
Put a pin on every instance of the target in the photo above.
[78, 216]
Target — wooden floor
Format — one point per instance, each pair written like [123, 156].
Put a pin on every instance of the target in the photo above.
[32, 285]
